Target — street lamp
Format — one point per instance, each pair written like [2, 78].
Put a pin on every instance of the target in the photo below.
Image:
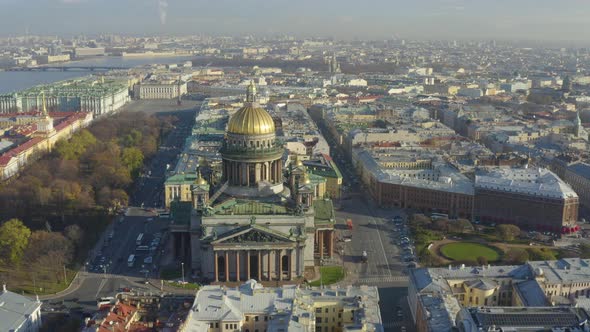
[182, 266]
[321, 275]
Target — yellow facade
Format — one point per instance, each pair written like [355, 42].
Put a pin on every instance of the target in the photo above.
[182, 192]
[333, 187]
[332, 315]
[470, 293]
[252, 323]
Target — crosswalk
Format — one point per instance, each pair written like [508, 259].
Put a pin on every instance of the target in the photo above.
[392, 325]
[372, 280]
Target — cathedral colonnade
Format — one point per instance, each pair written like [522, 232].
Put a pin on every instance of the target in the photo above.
[259, 264]
[324, 243]
[250, 173]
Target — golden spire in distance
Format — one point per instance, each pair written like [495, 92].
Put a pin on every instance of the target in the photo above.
[44, 107]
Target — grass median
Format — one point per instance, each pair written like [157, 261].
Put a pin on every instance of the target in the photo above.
[329, 275]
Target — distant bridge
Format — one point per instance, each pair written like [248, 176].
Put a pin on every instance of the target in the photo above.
[66, 68]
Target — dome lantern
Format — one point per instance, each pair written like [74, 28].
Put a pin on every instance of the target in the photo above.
[251, 119]
[251, 93]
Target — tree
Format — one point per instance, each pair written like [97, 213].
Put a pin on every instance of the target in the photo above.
[420, 220]
[516, 256]
[427, 258]
[507, 232]
[463, 225]
[542, 254]
[132, 158]
[584, 250]
[49, 250]
[481, 260]
[441, 225]
[72, 149]
[132, 139]
[14, 238]
[74, 233]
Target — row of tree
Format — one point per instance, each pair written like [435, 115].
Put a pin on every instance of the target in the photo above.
[58, 206]
[92, 170]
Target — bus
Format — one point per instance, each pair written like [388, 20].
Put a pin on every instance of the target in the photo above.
[436, 216]
[104, 303]
[131, 260]
[139, 239]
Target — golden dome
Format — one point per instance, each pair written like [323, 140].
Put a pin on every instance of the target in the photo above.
[251, 120]
[200, 181]
[298, 161]
[306, 179]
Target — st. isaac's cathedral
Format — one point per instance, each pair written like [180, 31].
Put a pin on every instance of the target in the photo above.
[266, 220]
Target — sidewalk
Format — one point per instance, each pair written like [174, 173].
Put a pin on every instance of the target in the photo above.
[72, 287]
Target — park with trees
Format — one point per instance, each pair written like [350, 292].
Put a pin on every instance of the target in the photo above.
[54, 213]
[440, 242]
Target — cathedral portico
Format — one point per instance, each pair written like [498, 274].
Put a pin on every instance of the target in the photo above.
[263, 264]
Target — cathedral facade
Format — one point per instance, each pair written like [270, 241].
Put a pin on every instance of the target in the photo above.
[264, 221]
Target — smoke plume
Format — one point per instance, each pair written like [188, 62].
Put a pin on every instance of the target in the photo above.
[163, 10]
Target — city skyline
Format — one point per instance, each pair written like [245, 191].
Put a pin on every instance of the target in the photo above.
[377, 19]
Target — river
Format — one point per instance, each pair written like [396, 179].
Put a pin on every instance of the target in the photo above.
[17, 81]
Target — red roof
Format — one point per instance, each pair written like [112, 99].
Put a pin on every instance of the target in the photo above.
[69, 120]
[5, 159]
[117, 318]
[25, 146]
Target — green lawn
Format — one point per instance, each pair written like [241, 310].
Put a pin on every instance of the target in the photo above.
[20, 280]
[188, 285]
[460, 251]
[171, 273]
[329, 275]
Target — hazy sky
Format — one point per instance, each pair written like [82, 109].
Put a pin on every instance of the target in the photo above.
[372, 19]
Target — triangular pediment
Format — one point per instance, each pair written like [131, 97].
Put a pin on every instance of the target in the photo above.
[253, 234]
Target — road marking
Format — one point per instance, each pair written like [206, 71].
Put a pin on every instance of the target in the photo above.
[394, 324]
[383, 279]
[102, 283]
[382, 247]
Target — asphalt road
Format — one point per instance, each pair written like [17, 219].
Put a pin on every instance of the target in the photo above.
[373, 233]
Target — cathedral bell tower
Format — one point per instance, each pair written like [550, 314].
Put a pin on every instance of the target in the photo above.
[305, 192]
[200, 193]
